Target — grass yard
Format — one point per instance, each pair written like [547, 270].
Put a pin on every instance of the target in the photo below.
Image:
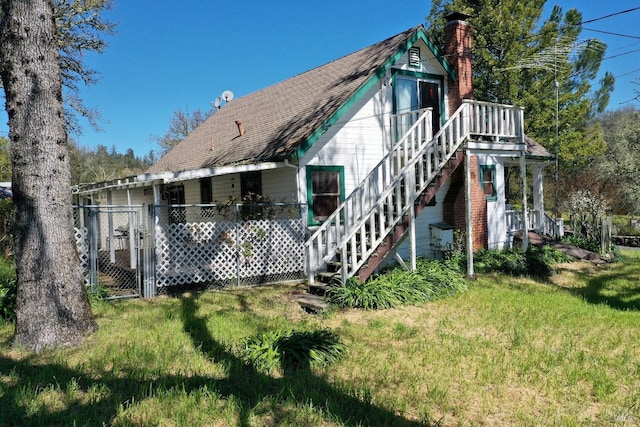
[509, 351]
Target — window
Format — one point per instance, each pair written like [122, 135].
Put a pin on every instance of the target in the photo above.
[175, 196]
[206, 193]
[250, 182]
[250, 191]
[206, 197]
[488, 181]
[325, 191]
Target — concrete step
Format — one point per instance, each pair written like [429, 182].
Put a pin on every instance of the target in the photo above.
[312, 303]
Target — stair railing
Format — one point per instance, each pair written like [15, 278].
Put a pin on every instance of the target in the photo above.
[362, 222]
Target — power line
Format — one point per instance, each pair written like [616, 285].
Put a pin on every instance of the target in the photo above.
[612, 34]
[610, 15]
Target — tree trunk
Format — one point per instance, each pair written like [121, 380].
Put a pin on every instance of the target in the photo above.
[52, 305]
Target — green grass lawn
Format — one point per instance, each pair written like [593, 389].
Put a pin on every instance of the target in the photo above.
[509, 351]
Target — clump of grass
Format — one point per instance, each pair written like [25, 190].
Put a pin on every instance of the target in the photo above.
[290, 350]
[431, 280]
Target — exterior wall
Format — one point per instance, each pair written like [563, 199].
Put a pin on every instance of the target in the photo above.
[358, 143]
[454, 210]
[430, 215]
[496, 209]
[363, 137]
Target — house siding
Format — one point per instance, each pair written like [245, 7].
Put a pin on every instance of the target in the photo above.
[430, 215]
[358, 143]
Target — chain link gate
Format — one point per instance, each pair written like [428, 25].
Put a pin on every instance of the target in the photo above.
[112, 243]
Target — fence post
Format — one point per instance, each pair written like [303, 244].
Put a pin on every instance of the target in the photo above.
[149, 253]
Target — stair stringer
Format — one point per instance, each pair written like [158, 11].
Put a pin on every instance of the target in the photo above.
[400, 232]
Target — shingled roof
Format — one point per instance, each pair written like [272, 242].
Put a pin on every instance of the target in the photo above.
[535, 150]
[281, 120]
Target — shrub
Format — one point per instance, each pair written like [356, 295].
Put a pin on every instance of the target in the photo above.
[582, 242]
[432, 279]
[507, 261]
[8, 294]
[292, 350]
[536, 262]
[8, 290]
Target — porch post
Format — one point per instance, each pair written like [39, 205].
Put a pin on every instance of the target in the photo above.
[133, 233]
[468, 208]
[111, 239]
[538, 197]
[525, 216]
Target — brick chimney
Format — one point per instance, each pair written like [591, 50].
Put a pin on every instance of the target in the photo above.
[458, 52]
[457, 48]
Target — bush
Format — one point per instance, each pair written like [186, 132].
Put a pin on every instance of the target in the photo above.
[292, 350]
[582, 242]
[431, 280]
[536, 262]
[8, 294]
[8, 290]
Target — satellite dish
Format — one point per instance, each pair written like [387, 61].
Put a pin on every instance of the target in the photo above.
[227, 95]
[217, 102]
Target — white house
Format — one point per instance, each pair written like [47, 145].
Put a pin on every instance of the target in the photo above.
[385, 148]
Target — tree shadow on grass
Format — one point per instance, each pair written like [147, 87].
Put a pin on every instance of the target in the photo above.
[299, 385]
[599, 291]
[21, 379]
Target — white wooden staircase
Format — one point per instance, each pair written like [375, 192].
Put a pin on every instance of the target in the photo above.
[374, 219]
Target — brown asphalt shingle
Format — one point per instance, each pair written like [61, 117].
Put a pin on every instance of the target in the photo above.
[278, 119]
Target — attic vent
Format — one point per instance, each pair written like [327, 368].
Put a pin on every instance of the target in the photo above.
[414, 57]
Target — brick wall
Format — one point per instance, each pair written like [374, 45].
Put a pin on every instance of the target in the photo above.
[454, 205]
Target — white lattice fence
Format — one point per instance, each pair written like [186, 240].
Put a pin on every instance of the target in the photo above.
[82, 243]
[224, 252]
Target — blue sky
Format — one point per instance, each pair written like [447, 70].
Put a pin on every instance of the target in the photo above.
[170, 55]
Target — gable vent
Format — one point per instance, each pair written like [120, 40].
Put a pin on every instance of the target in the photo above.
[414, 57]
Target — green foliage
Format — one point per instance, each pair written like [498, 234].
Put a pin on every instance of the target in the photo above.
[8, 290]
[623, 226]
[7, 215]
[432, 280]
[5, 159]
[620, 167]
[292, 350]
[102, 164]
[254, 206]
[587, 211]
[535, 262]
[582, 242]
[507, 261]
[97, 293]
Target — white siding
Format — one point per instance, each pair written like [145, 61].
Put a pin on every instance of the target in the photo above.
[496, 210]
[280, 185]
[358, 142]
[430, 215]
